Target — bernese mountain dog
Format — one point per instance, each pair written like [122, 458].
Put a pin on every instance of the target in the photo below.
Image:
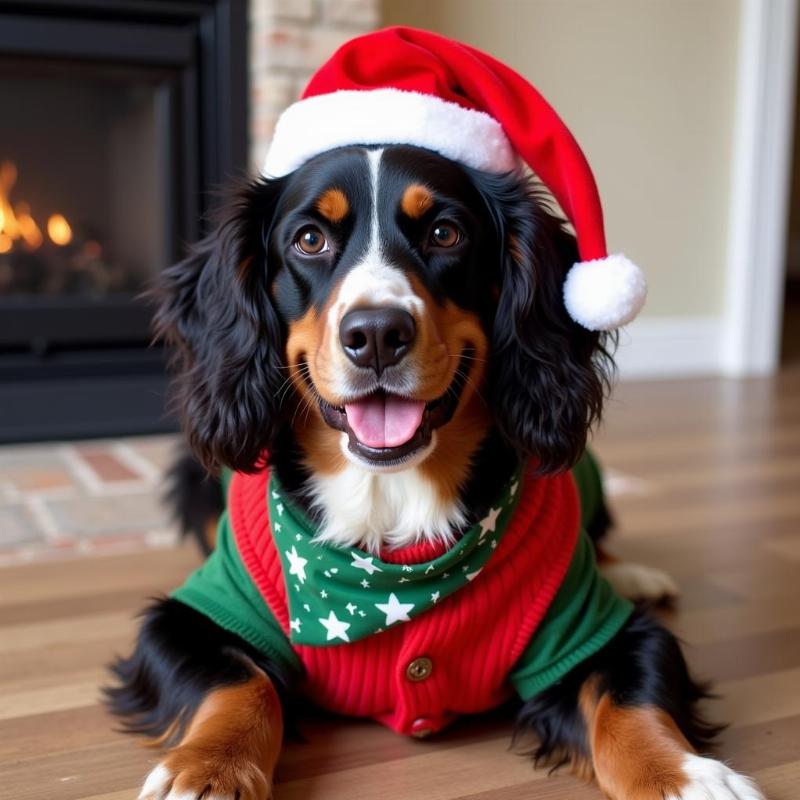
[391, 351]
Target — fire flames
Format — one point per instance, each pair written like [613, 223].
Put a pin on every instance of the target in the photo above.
[18, 228]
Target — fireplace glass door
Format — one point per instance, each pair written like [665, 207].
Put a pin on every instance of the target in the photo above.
[85, 202]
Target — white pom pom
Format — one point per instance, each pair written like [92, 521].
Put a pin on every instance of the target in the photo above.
[606, 293]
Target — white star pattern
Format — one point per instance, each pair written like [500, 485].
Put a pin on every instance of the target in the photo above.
[489, 522]
[323, 594]
[351, 608]
[298, 564]
[306, 606]
[431, 568]
[336, 628]
[295, 624]
[276, 495]
[395, 610]
[280, 509]
[465, 568]
[472, 575]
[365, 583]
[494, 543]
[445, 575]
[362, 614]
[406, 568]
[277, 527]
[514, 487]
[296, 588]
[364, 563]
[403, 580]
[435, 597]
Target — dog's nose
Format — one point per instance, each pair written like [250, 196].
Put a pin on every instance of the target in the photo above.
[377, 337]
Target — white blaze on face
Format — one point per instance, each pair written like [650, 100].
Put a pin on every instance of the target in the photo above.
[369, 505]
[373, 282]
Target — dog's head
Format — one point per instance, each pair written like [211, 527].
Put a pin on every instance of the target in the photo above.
[390, 308]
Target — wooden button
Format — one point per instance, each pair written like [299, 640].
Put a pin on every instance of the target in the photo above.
[419, 669]
[421, 728]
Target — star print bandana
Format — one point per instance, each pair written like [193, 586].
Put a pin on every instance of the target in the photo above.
[343, 594]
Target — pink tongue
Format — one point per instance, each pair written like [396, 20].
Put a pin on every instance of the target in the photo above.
[385, 420]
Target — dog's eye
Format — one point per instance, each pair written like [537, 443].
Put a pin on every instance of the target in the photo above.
[311, 241]
[445, 234]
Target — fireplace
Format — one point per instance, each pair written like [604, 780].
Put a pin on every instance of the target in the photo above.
[121, 119]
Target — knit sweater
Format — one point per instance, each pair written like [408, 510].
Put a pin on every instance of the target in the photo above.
[422, 634]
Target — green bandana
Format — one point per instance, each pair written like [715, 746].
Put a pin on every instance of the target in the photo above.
[343, 594]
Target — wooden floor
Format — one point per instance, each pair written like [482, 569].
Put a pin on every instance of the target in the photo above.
[711, 473]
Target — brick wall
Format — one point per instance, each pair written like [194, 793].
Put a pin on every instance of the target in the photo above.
[289, 39]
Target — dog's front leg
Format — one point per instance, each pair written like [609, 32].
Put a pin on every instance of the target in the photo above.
[638, 753]
[628, 717]
[229, 750]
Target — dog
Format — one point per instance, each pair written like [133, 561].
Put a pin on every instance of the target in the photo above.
[392, 350]
[432, 290]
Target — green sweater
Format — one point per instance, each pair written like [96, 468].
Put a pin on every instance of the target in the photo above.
[583, 616]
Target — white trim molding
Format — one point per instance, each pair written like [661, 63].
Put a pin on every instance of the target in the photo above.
[670, 347]
[761, 170]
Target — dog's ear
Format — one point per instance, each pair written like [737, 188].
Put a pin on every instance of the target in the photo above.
[216, 313]
[548, 376]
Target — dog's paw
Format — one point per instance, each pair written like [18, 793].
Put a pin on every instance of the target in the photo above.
[190, 774]
[639, 582]
[712, 780]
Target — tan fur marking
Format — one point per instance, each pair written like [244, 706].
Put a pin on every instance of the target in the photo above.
[307, 340]
[232, 743]
[211, 531]
[442, 335]
[417, 200]
[637, 751]
[333, 205]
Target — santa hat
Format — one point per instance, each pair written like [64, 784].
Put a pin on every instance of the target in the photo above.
[407, 86]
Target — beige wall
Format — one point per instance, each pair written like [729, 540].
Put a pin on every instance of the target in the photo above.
[647, 87]
[793, 248]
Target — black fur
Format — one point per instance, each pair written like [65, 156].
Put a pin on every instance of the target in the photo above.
[195, 498]
[548, 376]
[218, 317]
[180, 656]
[641, 666]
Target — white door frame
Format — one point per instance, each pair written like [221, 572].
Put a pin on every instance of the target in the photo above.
[762, 162]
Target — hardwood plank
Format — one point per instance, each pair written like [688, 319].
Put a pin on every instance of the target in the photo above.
[780, 783]
[94, 576]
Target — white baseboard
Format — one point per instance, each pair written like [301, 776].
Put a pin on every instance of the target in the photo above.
[670, 347]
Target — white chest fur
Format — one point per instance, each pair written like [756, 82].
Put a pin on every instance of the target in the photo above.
[372, 510]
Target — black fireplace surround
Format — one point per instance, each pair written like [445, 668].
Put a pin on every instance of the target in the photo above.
[138, 109]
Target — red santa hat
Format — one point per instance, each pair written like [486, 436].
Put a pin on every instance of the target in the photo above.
[407, 86]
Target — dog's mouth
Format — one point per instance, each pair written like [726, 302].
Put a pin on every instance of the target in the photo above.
[387, 429]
